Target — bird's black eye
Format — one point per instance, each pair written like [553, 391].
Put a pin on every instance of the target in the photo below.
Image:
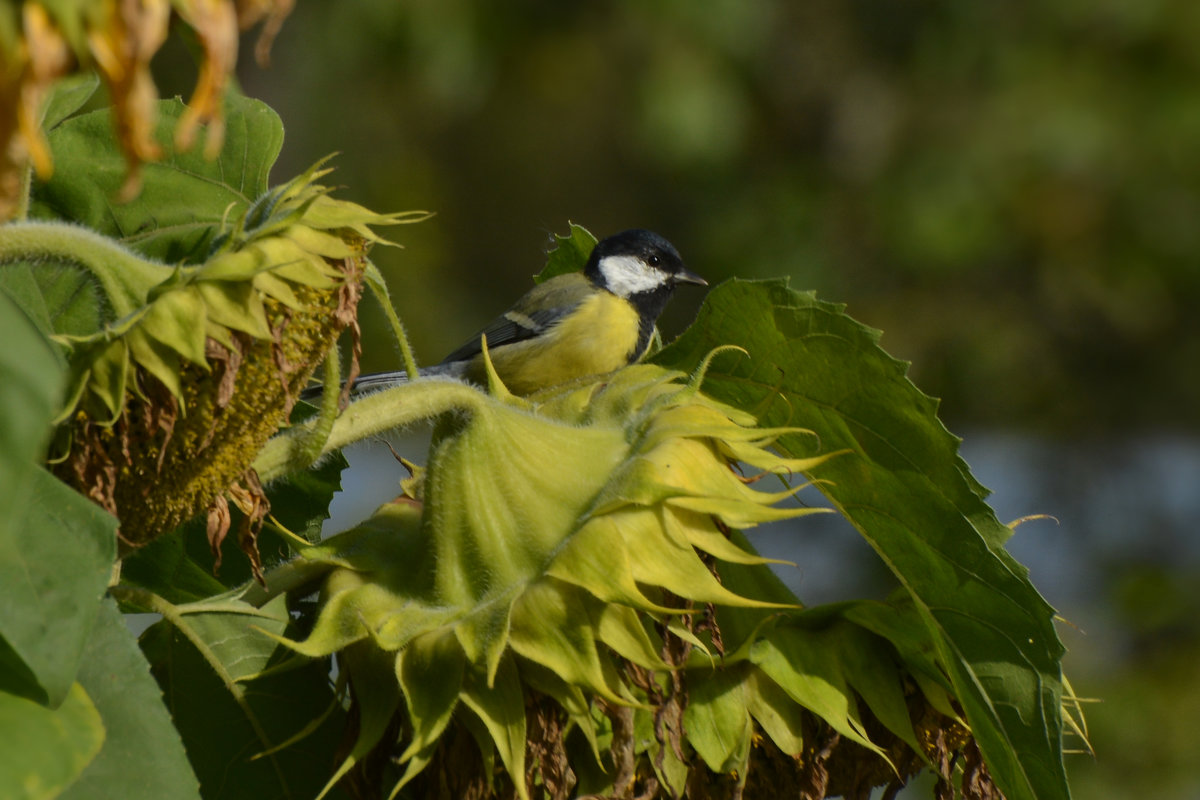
[652, 261]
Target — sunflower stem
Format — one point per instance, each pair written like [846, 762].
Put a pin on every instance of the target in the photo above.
[125, 277]
[379, 288]
[373, 415]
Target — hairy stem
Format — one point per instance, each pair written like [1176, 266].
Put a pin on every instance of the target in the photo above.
[126, 278]
[371, 416]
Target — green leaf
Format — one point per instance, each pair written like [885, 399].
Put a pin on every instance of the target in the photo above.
[56, 556]
[228, 724]
[59, 298]
[301, 501]
[372, 675]
[142, 757]
[46, 749]
[169, 567]
[501, 708]
[430, 672]
[570, 253]
[801, 662]
[911, 496]
[68, 96]
[31, 384]
[717, 719]
[552, 625]
[184, 197]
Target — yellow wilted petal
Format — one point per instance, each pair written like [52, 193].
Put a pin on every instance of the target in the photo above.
[276, 287]
[697, 530]
[620, 627]
[49, 57]
[737, 514]
[596, 559]
[176, 319]
[155, 357]
[501, 708]
[215, 23]
[658, 561]
[551, 625]
[235, 305]
[320, 242]
[430, 672]
[107, 376]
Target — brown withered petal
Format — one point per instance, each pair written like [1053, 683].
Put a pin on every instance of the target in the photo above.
[248, 495]
[49, 58]
[122, 48]
[119, 39]
[216, 26]
[217, 527]
[250, 12]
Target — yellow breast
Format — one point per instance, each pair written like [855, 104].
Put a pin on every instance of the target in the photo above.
[598, 337]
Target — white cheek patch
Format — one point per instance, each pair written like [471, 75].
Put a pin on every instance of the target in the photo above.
[628, 275]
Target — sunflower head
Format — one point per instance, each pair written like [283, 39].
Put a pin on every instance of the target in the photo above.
[562, 555]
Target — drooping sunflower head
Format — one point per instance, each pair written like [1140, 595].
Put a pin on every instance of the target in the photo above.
[563, 547]
[171, 401]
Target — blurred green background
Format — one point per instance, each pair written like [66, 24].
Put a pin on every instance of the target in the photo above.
[1011, 191]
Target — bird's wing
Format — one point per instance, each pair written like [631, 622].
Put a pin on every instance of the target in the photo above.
[533, 314]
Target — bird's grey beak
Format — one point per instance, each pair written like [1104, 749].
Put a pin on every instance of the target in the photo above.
[687, 276]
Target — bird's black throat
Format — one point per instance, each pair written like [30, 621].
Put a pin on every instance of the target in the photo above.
[649, 306]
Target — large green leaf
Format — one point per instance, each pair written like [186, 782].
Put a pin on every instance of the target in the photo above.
[142, 757]
[31, 381]
[209, 658]
[184, 196]
[905, 488]
[59, 298]
[56, 548]
[46, 749]
[176, 567]
[68, 96]
[717, 718]
[569, 254]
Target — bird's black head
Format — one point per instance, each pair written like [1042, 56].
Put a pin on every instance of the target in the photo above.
[642, 267]
[638, 262]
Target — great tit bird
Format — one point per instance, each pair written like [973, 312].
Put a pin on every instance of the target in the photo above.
[573, 325]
